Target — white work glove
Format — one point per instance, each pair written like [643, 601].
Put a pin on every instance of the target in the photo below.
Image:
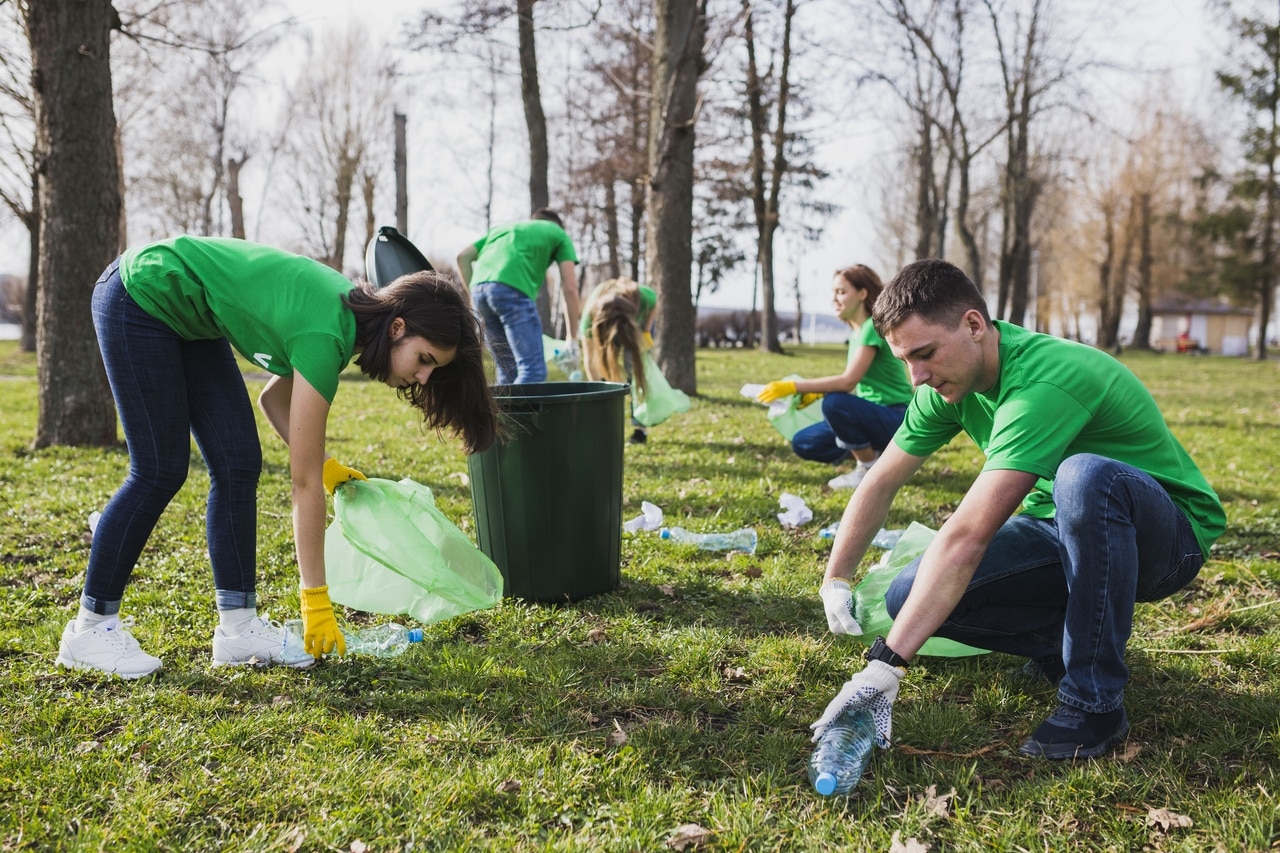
[837, 599]
[874, 689]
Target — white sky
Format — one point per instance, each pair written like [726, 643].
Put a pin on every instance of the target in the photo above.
[445, 215]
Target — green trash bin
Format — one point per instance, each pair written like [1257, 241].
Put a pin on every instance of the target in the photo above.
[548, 499]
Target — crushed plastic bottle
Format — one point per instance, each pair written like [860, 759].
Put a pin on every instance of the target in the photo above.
[383, 641]
[842, 754]
[739, 540]
[885, 539]
[566, 359]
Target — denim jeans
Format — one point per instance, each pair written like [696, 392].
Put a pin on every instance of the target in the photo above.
[167, 390]
[848, 423]
[514, 331]
[1066, 587]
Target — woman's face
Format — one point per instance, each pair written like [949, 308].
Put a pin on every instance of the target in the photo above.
[413, 357]
[847, 299]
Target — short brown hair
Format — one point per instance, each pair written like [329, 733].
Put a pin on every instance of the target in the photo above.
[934, 290]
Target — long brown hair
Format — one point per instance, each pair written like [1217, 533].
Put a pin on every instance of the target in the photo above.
[863, 277]
[457, 396]
[614, 343]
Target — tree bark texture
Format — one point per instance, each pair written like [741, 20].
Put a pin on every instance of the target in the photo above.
[80, 213]
[536, 122]
[678, 62]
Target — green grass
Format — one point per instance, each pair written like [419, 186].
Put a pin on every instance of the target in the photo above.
[501, 731]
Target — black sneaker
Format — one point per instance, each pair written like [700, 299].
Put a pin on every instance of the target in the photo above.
[639, 436]
[1072, 733]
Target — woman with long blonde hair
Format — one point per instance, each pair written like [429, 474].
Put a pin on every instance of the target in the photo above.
[616, 329]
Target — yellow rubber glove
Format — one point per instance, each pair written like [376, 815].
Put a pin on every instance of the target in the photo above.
[808, 399]
[776, 391]
[320, 632]
[646, 340]
[335, 474]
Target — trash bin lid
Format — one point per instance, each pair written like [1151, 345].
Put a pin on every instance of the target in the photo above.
[391, 255]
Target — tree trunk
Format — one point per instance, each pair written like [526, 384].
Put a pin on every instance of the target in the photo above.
[679, 36]
[536, 122]
[80, 213]
[235, 202]
[30, 305]
[611, 224]
[1142, 332]
[402, 172]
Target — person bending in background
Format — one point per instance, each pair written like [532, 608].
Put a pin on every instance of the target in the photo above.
[862, 407]
[505, 269]
[616, 328]
[1086, 504]
[167, 316]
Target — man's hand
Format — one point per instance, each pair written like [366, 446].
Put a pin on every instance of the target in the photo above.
[320, 631]
[335, 474]
[837, 600]
[776, 391]
[874, 689]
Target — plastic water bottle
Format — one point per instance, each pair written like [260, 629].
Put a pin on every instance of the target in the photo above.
[382, 641]
[738, 540]
[567, 360]
[842, 754]
[885, 539]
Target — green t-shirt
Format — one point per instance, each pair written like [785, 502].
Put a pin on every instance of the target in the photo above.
[518, 255]
[648, 301]
[1055, 398]
[885, 381]
[282, 311]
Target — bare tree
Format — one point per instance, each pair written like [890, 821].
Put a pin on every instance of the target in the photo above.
[18, 180]
[79, 202]
[678, 63]
[342, 119]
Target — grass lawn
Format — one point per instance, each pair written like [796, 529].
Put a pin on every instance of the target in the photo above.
[682, 698]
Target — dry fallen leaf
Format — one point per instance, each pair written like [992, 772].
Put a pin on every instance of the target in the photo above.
[295, 838]
[736, 673]
[911, 845]
[509, 786]
[462, 477]
[595, 635]
[689, 836]
[617, 737]
[935, 805]
[359, 846]
[1165, 820]
[1131, 751]
[667, 589]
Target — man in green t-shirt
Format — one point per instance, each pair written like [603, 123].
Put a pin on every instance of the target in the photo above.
[1113, 511]
[505, 269]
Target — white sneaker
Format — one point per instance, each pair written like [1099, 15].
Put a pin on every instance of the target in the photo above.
[850, 480]
[107, 647]
[263, 643]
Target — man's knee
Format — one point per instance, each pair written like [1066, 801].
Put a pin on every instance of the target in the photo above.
[895, 597]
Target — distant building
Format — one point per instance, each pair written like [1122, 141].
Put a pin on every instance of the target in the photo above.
[1185, 324]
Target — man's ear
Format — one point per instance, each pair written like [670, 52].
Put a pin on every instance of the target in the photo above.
[976, 325]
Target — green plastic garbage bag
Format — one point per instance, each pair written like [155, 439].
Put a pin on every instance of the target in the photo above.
[391, 550]
[868, 596]
[658, 400]
[794, 419]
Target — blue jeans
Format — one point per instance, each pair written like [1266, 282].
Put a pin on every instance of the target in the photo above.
[1066, 587]
[167, 390]
[514, 331]
[848, 423]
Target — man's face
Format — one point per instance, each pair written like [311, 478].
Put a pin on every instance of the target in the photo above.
[951, 361]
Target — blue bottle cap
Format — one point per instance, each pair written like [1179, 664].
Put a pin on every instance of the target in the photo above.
[665, 533]
[825, 784]
[415, 635]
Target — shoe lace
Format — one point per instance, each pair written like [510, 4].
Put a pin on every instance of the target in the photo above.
[117, 633]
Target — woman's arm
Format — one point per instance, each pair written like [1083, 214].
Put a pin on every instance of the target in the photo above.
[847, 381]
